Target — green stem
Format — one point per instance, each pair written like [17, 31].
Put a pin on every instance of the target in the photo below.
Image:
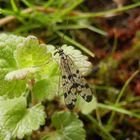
[121, 94]
[76, 44]
[104, 13]
[92, 28]
[117, 108]
[100, 129]
[125, 85]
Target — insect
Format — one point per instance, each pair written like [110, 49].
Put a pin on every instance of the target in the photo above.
[73, 83]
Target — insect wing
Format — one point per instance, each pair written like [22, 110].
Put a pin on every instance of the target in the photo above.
[70, 100]
[86, 92]
[69, 92]
[83, 88]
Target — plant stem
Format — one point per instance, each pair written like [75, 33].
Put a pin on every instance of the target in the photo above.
[76, 44]
[105, 13]
[121, 94]
[102, 132]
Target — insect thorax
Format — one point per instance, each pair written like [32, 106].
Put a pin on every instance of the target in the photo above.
[60, 52]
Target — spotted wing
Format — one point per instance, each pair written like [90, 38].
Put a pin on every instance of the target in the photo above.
[86, 92]
[83, 88]
[70, 94]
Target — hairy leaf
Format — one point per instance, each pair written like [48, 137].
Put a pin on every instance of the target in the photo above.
[31, 53]
[20, 57]
[7, 64]
[16, 120]
[68, 127]
[20, 74]
[48, 87]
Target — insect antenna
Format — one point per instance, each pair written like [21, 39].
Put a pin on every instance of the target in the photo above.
[62, 39]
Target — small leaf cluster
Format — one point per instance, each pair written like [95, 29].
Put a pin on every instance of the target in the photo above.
[29, 75]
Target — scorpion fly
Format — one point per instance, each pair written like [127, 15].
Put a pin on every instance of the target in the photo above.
[73, 83]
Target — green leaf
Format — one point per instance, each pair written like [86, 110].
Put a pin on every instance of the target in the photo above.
[4, 135]
[20, 74]
[17, 56]
[32, 119]
[86, 107]
[12, 89]
[47, 88]
[31, 53]
[8, 44]
[6, 56]
[68, 127]
[11, 41]
[16, 120]
[7, 64]
[11, 111]
[48, 85]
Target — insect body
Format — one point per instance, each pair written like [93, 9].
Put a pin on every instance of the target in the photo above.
[72, 81]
